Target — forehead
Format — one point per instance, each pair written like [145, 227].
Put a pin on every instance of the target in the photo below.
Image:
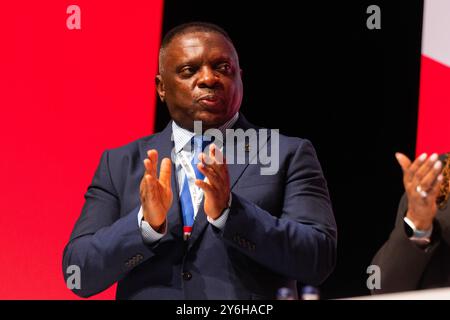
[198, 44]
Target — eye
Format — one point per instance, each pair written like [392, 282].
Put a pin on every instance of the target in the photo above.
[187, 71]
[224, 67]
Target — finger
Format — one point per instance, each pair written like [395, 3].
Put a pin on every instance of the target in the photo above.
[143, 186]
[205, 169]
[206, 162]
[207, 188]
[147, 166]
[165, 173]
[222, 164]
[153, 157]
[210, 156]
[213, 178]
[412, 169]
[219, 172]
[150, 184]
[206, 157]
[403, 161]
[216, 154]
[424, 169]
[215, 161]
[430, 178]
[436, 187]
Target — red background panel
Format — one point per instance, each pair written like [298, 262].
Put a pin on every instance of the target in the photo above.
[433, 133]
[65, 96]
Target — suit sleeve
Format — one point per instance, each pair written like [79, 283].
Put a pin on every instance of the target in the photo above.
[402, 263]
[104, 245]
[301, 243]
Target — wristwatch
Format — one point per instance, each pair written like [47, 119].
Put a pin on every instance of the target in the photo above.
[421, 237]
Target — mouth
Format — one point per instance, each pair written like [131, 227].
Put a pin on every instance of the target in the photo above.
[209, 100]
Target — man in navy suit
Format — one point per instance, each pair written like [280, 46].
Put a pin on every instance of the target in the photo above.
[205, 222]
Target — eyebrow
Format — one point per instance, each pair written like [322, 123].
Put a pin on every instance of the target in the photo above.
[215, 60]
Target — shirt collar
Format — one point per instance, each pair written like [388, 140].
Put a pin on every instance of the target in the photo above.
[182, 136]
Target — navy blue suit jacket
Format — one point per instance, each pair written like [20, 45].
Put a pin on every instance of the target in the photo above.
[280, 230]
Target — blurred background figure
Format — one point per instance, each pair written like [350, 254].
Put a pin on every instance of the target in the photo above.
[417, 253]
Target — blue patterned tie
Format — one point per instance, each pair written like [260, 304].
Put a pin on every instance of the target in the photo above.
[187, 207]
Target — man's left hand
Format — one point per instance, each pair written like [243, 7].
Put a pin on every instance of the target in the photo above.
[216, 186]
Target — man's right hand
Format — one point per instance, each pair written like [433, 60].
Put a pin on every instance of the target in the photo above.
[156, 194]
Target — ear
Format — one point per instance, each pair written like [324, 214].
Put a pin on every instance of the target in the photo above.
[160, 87]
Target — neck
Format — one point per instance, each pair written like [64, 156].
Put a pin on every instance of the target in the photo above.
[198, 126]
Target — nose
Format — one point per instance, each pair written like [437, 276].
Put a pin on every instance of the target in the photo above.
[207, 78]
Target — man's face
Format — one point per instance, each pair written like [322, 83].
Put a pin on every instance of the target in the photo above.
[200, 79]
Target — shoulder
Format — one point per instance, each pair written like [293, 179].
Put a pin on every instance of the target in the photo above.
[284, 141]
[132, 150]
[290, 144]
[292, 151]
[294, 142]
[287, 147]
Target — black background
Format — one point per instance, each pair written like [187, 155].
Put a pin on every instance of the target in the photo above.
[314, 70]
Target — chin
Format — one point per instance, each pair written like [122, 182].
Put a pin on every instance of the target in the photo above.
[211, 119]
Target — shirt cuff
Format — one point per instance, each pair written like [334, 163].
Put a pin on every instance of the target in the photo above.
[149, 235]
[220, 221]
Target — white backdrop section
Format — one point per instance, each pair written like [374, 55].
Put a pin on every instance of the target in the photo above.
[429, 294]
[436, 31]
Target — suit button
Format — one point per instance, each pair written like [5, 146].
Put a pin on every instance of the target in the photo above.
[187, 275]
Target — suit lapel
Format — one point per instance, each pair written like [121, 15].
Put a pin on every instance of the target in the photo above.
[164, 144]
[242, 159]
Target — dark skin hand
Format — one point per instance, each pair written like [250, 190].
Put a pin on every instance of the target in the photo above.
[199, 80]
[156, 194]
[426, 173]
[216, 186]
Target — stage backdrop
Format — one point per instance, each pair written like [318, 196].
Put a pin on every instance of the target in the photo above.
[77, 77]
[66, 94]
[434, 101]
